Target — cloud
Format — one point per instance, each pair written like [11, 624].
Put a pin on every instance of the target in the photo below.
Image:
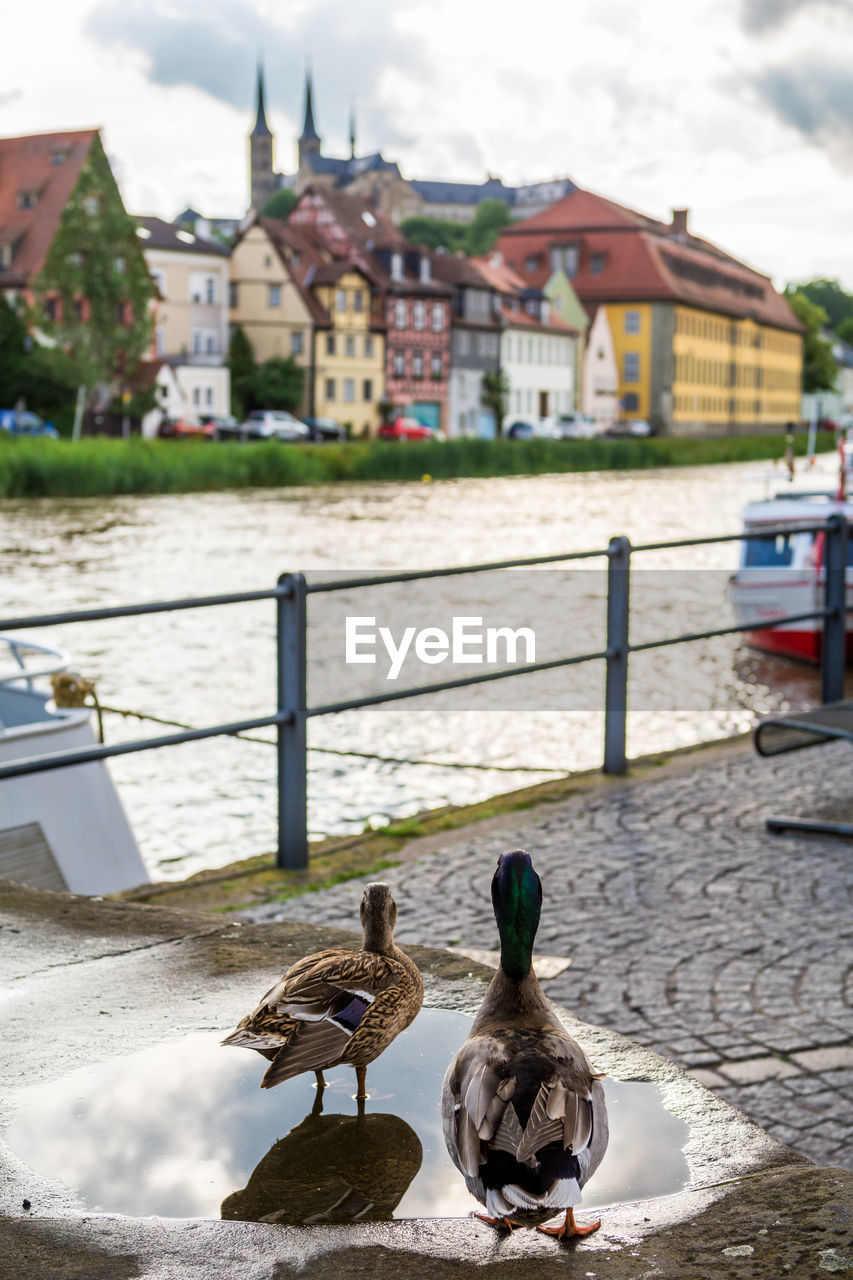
[216, 50]
[815, 98]
[759, 16]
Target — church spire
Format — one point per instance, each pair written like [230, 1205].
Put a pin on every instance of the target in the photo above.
[352, 131]
[261, 128]
[309, 130]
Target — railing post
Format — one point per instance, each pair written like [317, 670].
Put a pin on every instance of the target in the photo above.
[616, 688]
[291, 628]
[835, 602]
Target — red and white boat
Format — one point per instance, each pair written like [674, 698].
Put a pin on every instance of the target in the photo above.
[782, 573]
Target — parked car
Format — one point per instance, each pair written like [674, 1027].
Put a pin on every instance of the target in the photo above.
[632, 427]
[20, 422]
[570, 426]
[325, 429]
[185, 429]
[274, 424]
[521, 430]
[406, 429]
[225, 426]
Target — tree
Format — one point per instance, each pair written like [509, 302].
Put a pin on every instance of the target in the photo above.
[279, 383]
[280, 204]
[494, 394]
[92, 295]
[819, 369]
[491, 217]
[829, 295]
[435, 233]
[241, 364]
[845, 330]
[43, 377]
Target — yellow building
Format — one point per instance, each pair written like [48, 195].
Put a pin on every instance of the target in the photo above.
[349, 351]
[703, 343]
[268, 296]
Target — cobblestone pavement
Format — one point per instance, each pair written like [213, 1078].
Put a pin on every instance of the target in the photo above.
[690, 929]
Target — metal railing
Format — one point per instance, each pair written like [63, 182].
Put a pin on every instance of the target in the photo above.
[293, 712]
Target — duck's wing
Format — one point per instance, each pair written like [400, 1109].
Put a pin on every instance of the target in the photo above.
[306, 1020]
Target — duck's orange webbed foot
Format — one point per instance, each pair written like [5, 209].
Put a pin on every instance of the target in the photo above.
[569, 1228]
[506, 1223]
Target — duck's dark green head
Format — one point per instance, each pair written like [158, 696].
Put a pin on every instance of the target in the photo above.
[517, 900]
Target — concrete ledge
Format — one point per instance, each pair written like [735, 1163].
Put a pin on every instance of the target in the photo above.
[83, 981]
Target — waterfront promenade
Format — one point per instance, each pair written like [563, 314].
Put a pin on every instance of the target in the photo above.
[687, 926]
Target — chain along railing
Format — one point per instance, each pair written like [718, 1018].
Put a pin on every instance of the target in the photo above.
[292, 712]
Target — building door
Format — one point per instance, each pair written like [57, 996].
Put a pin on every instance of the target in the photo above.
[543, 404]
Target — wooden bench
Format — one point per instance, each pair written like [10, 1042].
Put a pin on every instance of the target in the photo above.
[778, 734]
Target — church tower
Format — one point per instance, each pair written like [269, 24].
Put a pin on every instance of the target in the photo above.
[309, 139]
[262, 180]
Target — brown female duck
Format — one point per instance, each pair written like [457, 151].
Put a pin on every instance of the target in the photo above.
[337, 1006]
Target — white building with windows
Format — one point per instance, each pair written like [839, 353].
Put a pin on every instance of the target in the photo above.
[191, 323]
[538, 358]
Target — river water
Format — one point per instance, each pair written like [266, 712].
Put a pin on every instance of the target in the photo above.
[206, 804]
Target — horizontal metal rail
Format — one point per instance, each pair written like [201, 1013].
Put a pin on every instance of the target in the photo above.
[421, 575]
[373, 700]
[137, 610]
[88, 755]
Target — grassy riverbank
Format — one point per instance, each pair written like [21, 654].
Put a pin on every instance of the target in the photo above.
[97, 468]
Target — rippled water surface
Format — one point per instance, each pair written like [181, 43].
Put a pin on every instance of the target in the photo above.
[184, 1130]
[206, 804]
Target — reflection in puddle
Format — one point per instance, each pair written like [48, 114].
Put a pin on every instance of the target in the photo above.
[332, 1169]
[184, 1130]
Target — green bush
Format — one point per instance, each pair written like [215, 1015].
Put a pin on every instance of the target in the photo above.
[98, 467]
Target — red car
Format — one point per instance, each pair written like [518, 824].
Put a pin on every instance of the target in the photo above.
[186, 429]
[405, 429]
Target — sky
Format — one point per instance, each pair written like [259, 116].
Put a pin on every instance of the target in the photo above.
[740, 110]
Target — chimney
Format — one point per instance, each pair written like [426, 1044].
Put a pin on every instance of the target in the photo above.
[679, 223]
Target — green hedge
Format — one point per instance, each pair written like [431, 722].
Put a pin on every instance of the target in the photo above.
[94, 468]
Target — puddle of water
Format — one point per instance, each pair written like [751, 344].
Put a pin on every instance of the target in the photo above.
[184, 1130]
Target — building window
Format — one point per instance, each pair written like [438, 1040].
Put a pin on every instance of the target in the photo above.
[630, 402]
[210, 290]
[50, 308]
[350, 345]
[367, 389]
[330, 344]
[437, 317]
[341, 300]
[596, 264]
[631, 367]
[463, 343]
[426, 270]
[399, 364]
[267, 261]
[208, 396]
[297, 342]
[632, 322]
[274, 295]
[211, 344]
[531, 262]
[401, 314]
[330, 388]
[120, 265]
[349, 390]
[196, 396]
[358, 300]
[75, 260]
[91, 205]
[196, 342]
[233, 294]
[418, 364]
[396, 266]
[420, 315]
[368, 344]
[435, 367]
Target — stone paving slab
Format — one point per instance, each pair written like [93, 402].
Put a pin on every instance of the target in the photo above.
[689, 927]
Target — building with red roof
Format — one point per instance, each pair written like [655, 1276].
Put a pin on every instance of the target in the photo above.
[69, 251]
[703, 342]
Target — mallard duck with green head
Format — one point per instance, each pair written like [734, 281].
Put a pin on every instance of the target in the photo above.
[337, 1006]
[523, 1111]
